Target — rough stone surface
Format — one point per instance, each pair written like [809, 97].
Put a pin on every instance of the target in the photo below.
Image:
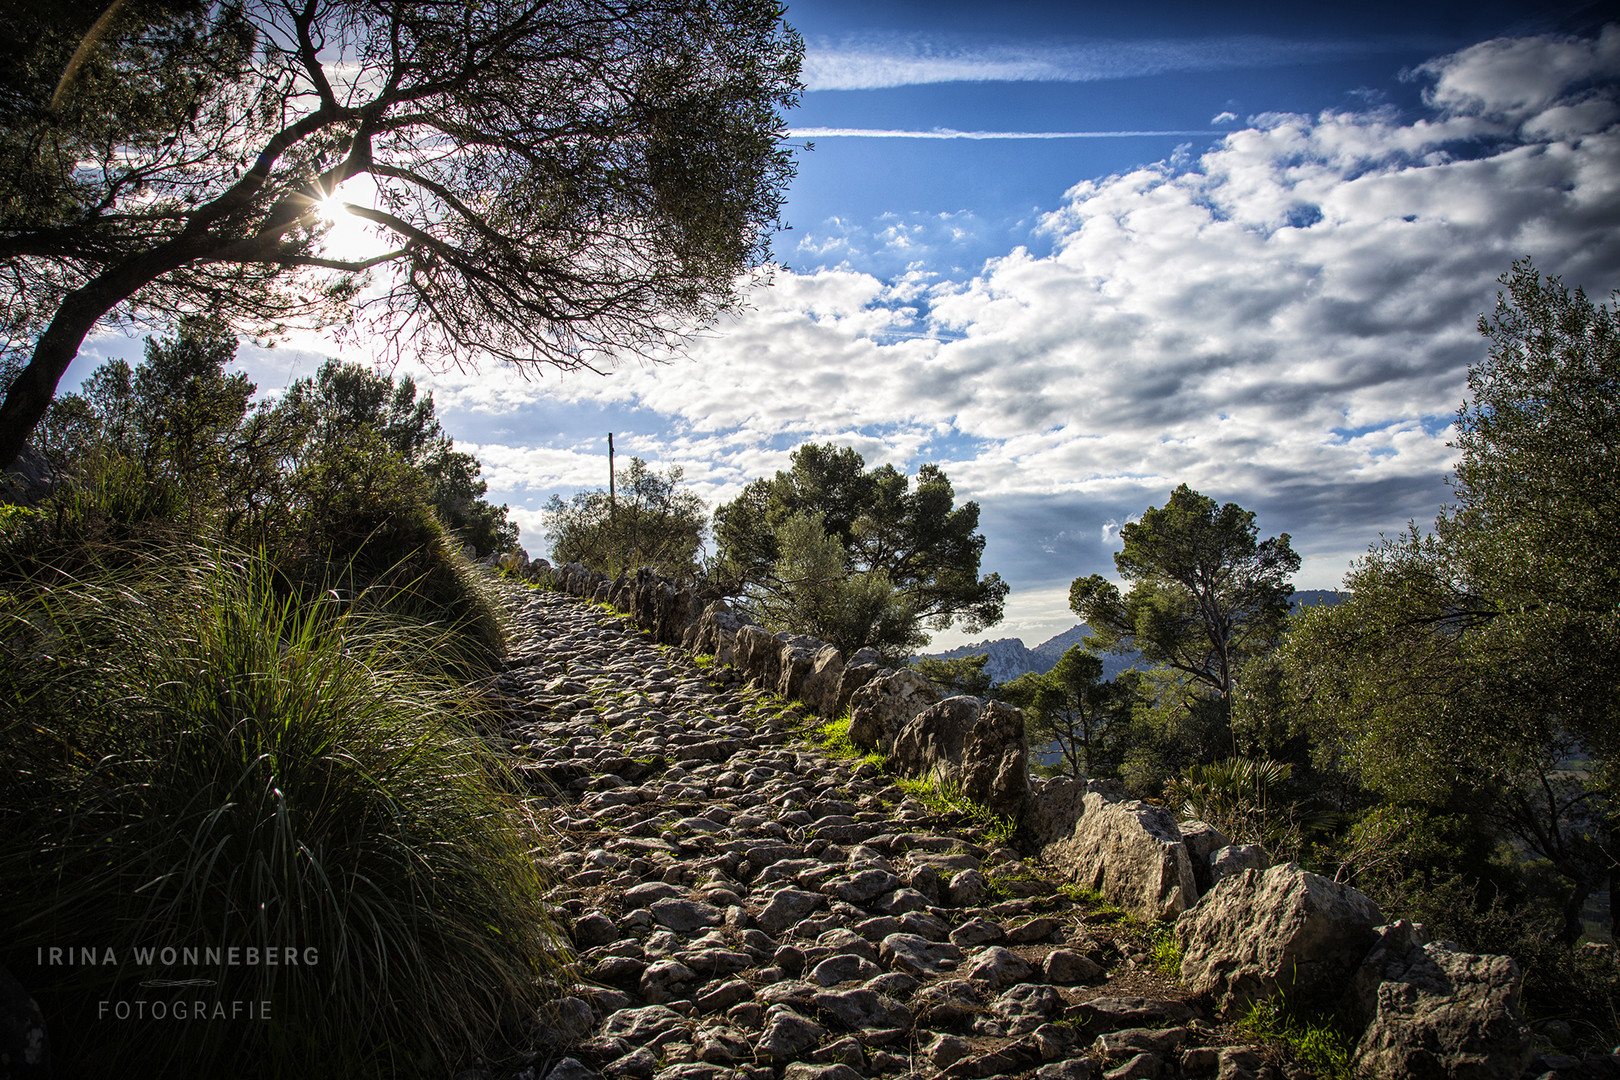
[1202, 840]
[916, 955]
[859, 670]
[978, 745]
[885, 704]
[1127, 850]
[729, 887]
[820, 689]
[1236, 858]
[1283, 930]
[715, 633]
[1066, 967]
[756, 652]
[1430, 1011]
[796, 659]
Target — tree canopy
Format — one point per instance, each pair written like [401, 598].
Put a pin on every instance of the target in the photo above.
[548, 181]
[189, 427]
[874, 558]
[1206, 592]
[651, 522]
[1479, 661]
[1072, 709]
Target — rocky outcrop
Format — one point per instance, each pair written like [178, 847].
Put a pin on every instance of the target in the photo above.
[887, 703]
[1202, 840]
[976, 745]
[1428, 1011]
[757, 656]
[1128, 850]
[1234, 859]
[859, 670]
[1280, 931]
[714, 633]
[744, 907]
[820, 689]
[28, 480]
[795, 659]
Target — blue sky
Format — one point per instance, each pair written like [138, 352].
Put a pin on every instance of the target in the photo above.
[1266, 290]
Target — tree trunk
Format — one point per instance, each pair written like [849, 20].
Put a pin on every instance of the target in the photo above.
[1573, 907]
[30, 395]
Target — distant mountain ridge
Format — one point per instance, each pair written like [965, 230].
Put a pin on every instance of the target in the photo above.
[1010, 657]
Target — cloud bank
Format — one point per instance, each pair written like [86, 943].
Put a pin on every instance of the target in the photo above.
[1284, 322]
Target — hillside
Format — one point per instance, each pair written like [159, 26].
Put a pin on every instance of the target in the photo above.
[1010, 657]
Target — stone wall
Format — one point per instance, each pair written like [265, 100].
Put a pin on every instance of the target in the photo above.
[976, 746]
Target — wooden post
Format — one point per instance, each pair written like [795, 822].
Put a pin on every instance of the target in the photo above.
[613, 499]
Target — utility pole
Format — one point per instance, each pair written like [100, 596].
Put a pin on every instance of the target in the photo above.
[613, 498]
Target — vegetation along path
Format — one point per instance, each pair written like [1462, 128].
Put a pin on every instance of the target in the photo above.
[748, 905]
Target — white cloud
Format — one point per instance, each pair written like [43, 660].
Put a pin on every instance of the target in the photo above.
[1514, 79]
[951, 133]
[1226, 117]
[880, 61]
[1284, 322]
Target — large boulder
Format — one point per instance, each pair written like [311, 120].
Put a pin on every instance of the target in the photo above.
[1126, 849]
[796, 658]
[677, 611]
[978, 745]
[1056, 803]
[887, 703]
[1202, 840]
[1234, 859]
[1428, 1011]
[820, 690]
[755, 655]
[715, 632]
[28, 480]
[859, 670]
[1281, 931]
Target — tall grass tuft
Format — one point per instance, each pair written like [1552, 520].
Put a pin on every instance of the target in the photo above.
[197, 758]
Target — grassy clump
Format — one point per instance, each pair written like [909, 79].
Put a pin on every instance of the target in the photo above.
[199, 758]
[834, 741]
[1165, 955]
[947, 798]
[1317, 1044]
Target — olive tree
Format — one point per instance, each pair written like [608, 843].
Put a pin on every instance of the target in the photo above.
[553, 182]
[1479, 660]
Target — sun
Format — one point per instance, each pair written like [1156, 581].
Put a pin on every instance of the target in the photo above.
[331, 209]
[346, 235]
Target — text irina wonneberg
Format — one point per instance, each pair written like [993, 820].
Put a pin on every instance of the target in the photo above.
[181, 998]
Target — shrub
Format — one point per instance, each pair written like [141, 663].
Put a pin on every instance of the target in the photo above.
[199, 760]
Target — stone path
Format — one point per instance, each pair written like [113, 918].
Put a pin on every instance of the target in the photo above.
[747, 908]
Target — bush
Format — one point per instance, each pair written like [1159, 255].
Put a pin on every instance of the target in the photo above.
[199, 760]
[362, 526]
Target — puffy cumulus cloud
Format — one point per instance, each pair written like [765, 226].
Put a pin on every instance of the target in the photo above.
[1519, 79]
[1284, 322]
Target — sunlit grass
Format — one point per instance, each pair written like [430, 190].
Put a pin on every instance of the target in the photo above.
[198, 759]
